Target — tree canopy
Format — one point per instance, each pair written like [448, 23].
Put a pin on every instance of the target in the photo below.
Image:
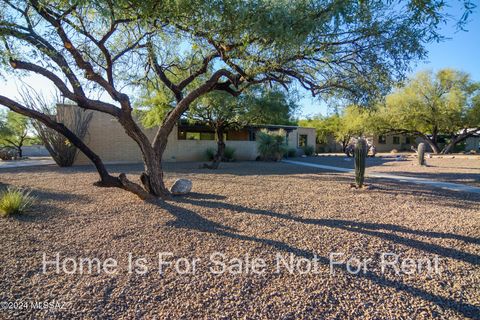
[432, 104]
[353, 121]
[14, 131]
[348, 48]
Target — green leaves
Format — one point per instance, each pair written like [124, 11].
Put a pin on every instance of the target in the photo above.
[431, 103]
[13, 129]
[353, 121]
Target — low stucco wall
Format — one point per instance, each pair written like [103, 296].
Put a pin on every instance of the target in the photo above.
[107, 138]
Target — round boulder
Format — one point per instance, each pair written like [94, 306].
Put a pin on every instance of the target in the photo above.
[181, 186]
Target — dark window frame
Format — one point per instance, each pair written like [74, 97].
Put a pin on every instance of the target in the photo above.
[302, 140]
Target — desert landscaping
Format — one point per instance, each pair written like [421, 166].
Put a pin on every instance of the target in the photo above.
[239, 159]
[244, 209]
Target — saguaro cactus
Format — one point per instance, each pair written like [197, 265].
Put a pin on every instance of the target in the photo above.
[360, 151]
[421, 154]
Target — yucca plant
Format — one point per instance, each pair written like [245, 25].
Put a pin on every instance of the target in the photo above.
[14, 201]
[271, 145]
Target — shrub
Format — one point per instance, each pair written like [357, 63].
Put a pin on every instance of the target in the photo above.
[228, 154]
[308, 150]
[271, 145]
[14, 201]
[7, 154]
[291, 153]
[209, 154]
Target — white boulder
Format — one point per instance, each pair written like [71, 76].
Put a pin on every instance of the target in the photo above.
[181, 186]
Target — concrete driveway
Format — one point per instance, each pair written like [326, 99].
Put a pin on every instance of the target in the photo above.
[31, 162]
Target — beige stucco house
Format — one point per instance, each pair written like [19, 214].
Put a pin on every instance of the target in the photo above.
[107, 138]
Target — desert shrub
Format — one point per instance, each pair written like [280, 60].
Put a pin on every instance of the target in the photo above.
[271, 145]
[209, 154]
[292, 152]
[7, 154]
[459, 147]
[14, 201]
[308, 150]
[76, 119]
[228, 154]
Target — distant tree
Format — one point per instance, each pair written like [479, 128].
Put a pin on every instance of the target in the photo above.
[14, 131]
[429, 105]
[352, 121]
[349, 48]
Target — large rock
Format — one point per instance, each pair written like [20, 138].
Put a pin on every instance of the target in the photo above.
[181, 186]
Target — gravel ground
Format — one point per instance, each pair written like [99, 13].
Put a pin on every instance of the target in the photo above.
[266, 211]
[456, 168]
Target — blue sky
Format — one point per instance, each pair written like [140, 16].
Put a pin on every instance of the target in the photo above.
[461, 51]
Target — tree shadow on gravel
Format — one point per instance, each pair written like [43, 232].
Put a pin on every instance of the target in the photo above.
[435, 196]
[453, 177]
[370, 229]
[188, 219]
[40, 213]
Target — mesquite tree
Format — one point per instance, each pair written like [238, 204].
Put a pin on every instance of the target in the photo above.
[431, 105]
[348, 47]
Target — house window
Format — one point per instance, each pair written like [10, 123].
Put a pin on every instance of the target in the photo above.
[302, 140]
[396, 140]
[382, 139]
[189, 135]
[192, 136]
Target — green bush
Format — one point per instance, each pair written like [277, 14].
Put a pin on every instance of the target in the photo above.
[209, 154]
[271, 145]
[291, 153]
[14, 201]
[308, 150]
[228, 154]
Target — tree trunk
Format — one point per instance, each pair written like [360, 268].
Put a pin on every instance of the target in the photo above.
[19, 151]
[106, 180]
[152, 177]
[433, 144]
[344, 144]
[457, 139]
[217, 158]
